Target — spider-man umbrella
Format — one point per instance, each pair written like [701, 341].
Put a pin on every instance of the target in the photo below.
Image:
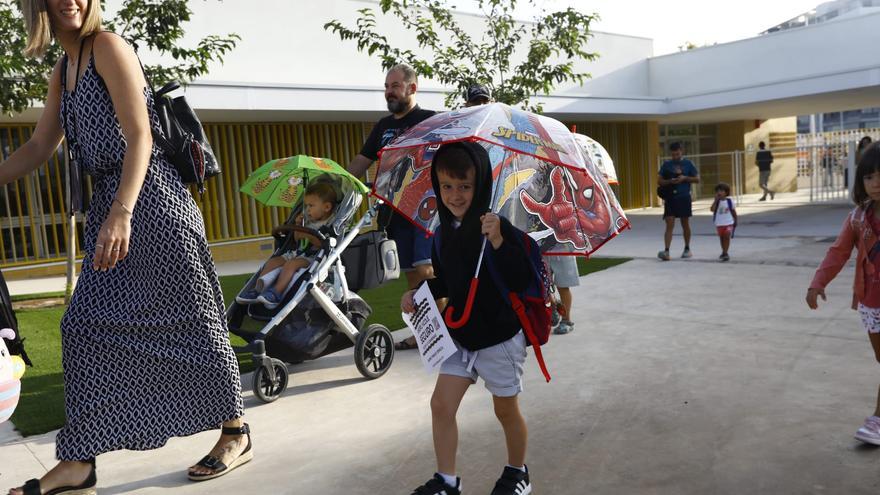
[542, 183]
[599, 156]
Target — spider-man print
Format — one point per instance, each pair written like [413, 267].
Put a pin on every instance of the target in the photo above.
[571, 209]
[566, 202]
[428, 209]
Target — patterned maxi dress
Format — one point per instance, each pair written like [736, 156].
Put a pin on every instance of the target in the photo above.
[145, 348]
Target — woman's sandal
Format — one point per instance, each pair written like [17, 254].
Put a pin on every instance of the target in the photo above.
[218, 467]
[87, 487]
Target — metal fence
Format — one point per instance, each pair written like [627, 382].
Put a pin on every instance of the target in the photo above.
[34, 222]
[823, 165]
[714, 168]
[826, 161]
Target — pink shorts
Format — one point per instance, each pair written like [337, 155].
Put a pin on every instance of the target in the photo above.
[724, 230]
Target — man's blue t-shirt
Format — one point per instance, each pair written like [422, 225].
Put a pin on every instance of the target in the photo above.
[672, 169]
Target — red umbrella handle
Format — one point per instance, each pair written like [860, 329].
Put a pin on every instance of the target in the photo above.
[467, 307]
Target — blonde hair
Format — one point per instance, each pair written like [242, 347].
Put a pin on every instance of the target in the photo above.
[39, 26]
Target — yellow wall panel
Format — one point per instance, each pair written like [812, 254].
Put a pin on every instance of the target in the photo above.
[33, 221]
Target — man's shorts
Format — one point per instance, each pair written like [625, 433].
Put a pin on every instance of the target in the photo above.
[500, 366]
[763, 177]
[870, 318]
[724, 230]
[413, 245]
[565, 270]
[679, 206]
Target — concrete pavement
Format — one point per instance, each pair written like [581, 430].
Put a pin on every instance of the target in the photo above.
[682, 377]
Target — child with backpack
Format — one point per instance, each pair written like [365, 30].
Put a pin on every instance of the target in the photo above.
[491, 344]
[724, 215]
[861, 231]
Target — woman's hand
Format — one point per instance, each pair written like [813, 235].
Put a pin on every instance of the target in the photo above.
[112, 244]
[406, 302]
[492, 229]
[813, 297]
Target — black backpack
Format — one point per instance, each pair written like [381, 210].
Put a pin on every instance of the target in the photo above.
[182, 137]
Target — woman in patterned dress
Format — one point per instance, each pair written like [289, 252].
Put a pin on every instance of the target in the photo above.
[145, 348]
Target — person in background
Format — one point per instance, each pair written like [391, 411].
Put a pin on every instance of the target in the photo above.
[413, 246]
[763, 159]
[724, 215]
[477, 94]
[860, 232]
[678, 174]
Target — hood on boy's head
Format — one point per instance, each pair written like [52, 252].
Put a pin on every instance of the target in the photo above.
[477, 155]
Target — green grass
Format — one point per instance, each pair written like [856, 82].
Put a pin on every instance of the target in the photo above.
[41, 407]
[588, 266]
[40, 295]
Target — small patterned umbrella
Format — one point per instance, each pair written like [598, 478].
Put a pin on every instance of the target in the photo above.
[280, 182]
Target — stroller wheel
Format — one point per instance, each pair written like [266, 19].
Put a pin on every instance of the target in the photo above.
[374, 351]
[268, 390]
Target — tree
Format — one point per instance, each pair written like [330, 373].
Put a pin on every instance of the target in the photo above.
[552, 45]
[153, 24]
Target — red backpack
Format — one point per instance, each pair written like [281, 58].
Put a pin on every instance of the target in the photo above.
[533, 305]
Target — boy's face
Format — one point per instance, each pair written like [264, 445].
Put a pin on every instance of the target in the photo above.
[721, 193]
[456, 194]
[316, 209]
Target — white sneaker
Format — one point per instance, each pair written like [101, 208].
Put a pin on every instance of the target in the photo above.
[870, 431]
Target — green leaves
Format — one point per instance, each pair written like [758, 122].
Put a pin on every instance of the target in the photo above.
[545, 52]
[152, 24]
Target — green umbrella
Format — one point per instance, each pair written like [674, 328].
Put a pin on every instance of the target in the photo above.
[280, 182]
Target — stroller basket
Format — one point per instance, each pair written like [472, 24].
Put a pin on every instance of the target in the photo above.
[370, 260]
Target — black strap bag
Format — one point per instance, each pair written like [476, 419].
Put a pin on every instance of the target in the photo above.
[182, 137]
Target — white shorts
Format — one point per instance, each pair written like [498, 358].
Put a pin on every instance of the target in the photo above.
[500, 366]
[565, 270]
[870, 318]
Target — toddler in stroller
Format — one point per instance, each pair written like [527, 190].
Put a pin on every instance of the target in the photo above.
[319, 313]
[318, 205]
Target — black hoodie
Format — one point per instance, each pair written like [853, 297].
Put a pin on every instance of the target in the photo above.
[492, 320]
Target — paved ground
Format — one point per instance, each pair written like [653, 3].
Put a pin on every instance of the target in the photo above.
[684, 377]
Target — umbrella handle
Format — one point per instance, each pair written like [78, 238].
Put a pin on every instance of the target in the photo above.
[466, 315]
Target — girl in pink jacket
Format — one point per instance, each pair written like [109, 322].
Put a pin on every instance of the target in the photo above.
[861, 230]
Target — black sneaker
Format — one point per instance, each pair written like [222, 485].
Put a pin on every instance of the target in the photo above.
[436, 486]
[513, 482]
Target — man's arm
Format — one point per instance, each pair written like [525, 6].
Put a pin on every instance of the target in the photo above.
[665, 182]
[692, 176]
[359, 165]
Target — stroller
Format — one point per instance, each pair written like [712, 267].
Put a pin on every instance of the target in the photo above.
[321, 313]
